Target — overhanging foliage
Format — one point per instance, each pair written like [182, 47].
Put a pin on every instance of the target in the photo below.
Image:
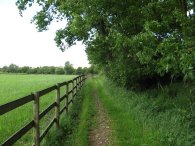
[129, 40]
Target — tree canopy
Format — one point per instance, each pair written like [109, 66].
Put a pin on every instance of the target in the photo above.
[69, 69]
[129, 40]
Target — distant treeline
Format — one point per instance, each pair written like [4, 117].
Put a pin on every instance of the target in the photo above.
[67, 69]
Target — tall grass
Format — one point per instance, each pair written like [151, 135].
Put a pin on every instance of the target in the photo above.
[155, 117]
[13, 86]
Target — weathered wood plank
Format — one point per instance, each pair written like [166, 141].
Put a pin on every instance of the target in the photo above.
[73, 84]
[77, 85]
[70, 92]
[70, 101]
[41, 115]
[74, 87]
[62, 110]
[10, 141]
[57, 110]
[36, 129]
[63, 97]
[15, 104]
[47, 130]
[47, 90]
[70, 81]
[67, 95]
[62, 84]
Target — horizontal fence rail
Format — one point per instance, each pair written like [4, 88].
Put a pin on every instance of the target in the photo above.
[15, 104]
[71, 88]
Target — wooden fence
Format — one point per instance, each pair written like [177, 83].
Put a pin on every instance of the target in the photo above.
[77, 83]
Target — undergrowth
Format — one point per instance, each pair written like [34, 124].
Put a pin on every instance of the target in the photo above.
[159, 116]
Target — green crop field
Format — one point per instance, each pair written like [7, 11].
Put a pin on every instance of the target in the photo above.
[14, 86]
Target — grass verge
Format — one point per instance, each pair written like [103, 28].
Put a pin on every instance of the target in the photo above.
[75, 125]
[163, 117]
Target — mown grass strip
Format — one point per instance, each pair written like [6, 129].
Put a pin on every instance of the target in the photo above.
[75, 125]
[81, 133]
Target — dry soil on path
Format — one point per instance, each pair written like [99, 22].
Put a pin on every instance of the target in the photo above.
[100, 134]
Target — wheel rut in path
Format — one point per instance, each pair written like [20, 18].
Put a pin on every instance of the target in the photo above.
[100, 134]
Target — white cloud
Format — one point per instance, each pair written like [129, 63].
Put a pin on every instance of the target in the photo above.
[21, 44]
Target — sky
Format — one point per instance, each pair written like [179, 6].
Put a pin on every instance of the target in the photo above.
[23, 45]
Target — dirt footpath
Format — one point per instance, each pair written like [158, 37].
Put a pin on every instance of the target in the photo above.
[100, 135]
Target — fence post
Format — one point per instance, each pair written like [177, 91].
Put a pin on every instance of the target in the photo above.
[67, 90]
[73, 88]
[76, 84]
[82, 80]
[36, 130]
[57, 111]
[79, 82]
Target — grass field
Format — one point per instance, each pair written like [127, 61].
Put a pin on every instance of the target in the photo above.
[14, 86]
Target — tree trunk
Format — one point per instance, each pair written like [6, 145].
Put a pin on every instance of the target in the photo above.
[184, 6]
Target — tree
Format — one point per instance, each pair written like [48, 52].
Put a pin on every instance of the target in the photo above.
[12, 68]
[85, 70]
[93, 70]
[129, 40]
[69, 69]
[24, 69]
[32, 71]
[79, 71]
[59, 70]
[4, 69]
